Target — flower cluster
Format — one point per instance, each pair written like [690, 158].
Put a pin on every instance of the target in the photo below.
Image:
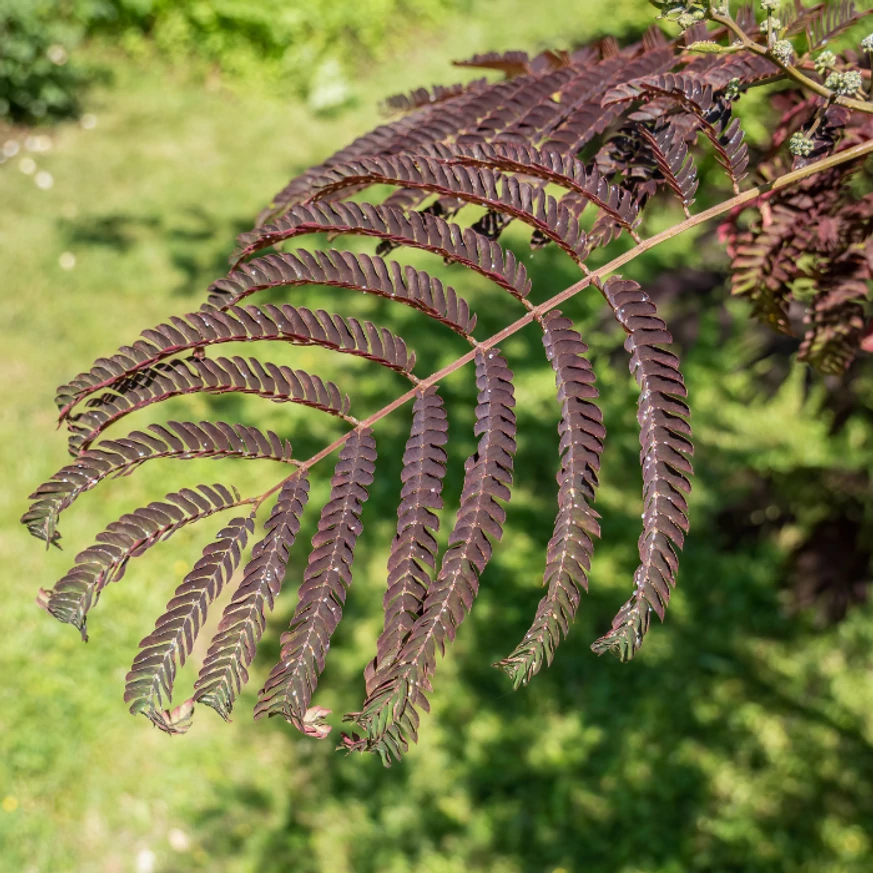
[827, 60]
[689, 19]
[678, 8]
[844, 83]
[732, 92]
[783, 51]
[800, 145]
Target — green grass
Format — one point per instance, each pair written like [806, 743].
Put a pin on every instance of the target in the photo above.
[739, 741]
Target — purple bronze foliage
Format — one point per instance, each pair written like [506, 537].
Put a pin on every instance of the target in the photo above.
[577, 146]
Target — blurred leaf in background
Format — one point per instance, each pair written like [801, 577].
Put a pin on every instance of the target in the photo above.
[305, 48]
[37, 81]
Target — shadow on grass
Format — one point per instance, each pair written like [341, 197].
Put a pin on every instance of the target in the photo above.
[197, 244]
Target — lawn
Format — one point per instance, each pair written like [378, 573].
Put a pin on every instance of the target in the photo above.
[740, 740]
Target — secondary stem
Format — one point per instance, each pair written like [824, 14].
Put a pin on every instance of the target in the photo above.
[789, 69]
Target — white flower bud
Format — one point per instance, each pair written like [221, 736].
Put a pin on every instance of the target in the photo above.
[783, 51]
[824, 62]
[800, 145]
[844, 83]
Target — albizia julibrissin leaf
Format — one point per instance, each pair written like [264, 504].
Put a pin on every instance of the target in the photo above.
[837, 16]
[513, 63]
[232, 649]
[550, 166]
[369, 275]
[209, 326]
[149, 684]
[480, 186]
[120, 457]
[665, 438]
[279, 384]
[412, 561]
[710, 108]
[129, 537]
[603, 128]
[402, 103]
[421, 230]
[389, 715]
[582, 114]
[673, 160]
[570, 548]
[492, 113]
[835, 317]
[328, 575]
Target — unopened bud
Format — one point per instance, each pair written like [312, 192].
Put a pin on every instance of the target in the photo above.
[783, 51]
[800, 145]
[844, 83]
[824, 62]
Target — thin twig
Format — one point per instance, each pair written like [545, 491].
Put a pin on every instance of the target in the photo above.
[789, 69]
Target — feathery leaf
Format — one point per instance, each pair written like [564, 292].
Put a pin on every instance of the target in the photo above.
[197, 330]
[369, 275]
[232, 649]
[151, 677]
[120, 457]
[195, 375]
[419, 230]
[569, 552]
[389, 714]
[665, 438]
[412, 562]
[133, 534]
[529, 204]
[292, 682]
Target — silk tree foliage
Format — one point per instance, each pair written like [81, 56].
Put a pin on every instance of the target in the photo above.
[577, 146]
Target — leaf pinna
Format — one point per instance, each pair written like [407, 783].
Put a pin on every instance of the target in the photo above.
[604, 129]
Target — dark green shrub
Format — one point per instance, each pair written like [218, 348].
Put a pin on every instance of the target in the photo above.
[38, 80]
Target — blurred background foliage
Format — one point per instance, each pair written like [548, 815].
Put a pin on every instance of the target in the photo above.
[303, 47]
[740, 740]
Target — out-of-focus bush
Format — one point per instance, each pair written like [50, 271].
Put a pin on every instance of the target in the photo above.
[310, 48]
[36, 79]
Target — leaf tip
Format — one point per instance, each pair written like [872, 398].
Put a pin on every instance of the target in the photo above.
[313, 724]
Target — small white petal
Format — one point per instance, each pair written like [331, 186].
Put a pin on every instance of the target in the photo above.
[145, 861]
[178, 840]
